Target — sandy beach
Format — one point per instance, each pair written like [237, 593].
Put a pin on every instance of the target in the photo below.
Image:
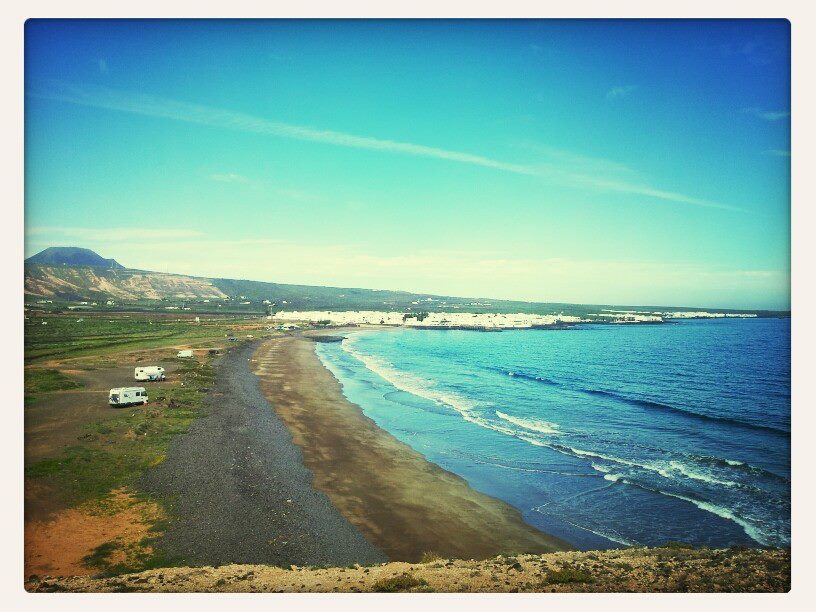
[403, 504]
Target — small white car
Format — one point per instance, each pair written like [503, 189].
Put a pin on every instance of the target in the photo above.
[127, 396]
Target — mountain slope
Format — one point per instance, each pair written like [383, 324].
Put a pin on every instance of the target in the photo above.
[73, 283]
[72, 256]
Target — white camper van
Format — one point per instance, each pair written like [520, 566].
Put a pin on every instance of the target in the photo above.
[149, 373]
[127, 396]
[185, 353]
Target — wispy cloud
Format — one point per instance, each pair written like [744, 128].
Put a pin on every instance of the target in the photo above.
[112, 233]
[585, 172]
[151, 106]
[620, 91]
[648, 191]
[102, 97]
[767, 115]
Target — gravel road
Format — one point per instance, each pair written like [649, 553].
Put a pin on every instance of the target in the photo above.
[239, 491]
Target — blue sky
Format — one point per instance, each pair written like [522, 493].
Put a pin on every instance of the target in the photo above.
[629, 162]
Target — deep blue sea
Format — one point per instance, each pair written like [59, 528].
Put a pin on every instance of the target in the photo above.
[605, 435]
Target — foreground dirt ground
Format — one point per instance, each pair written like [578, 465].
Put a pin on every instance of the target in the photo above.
[60, 544]
[669, 569]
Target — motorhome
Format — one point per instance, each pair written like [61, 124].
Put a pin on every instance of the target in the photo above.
[185, 353]
[149, 373]
[127, 396]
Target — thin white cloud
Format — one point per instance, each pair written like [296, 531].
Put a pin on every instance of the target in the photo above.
[620, 91]
[151, 106]
[767, 115]
[102, 97]
[646, 190]
[113, 233]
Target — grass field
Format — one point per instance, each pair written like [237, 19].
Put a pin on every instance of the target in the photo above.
[116, 451]
[63, 336]
[47, 380]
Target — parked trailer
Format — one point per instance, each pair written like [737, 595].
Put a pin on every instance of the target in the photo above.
[185, 353]
[149, 373]
[127, 396]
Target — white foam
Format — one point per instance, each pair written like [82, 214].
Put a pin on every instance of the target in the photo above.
[424, 388]
[544, 427]
[753, 532]
[410, 383]
[695, 475]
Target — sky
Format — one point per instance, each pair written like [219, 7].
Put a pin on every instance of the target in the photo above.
[598, 161]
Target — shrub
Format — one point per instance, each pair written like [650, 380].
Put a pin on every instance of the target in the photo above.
[398, 584]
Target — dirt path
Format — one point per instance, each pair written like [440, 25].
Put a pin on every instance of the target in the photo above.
[239, 490]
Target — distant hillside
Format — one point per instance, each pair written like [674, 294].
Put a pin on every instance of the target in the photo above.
[72, 256]
[62, 282]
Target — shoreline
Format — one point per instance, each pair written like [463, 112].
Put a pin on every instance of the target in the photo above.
[403, 504]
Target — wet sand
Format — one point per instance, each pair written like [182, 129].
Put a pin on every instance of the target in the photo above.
[402, 503]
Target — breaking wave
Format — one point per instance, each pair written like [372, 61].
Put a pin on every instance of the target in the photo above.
[544, 427]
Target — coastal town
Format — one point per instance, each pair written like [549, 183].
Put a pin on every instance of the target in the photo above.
[486, 321]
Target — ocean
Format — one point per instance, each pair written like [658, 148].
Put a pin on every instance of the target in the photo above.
[603, 435]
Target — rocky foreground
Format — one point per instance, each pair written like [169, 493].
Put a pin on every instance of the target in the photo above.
[668, 569]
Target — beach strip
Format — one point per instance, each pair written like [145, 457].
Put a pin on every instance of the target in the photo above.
[405, 505]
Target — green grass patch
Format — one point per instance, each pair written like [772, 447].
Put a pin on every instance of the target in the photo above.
[117, 451]
[98, 558]
[97, 336]
[85, 473]
[398, 584]
[138, 557]
[46, 381]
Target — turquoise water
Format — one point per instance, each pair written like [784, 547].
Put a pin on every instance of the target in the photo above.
[602, 435]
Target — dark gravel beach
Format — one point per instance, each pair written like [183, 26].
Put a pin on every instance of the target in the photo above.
[238, 489]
